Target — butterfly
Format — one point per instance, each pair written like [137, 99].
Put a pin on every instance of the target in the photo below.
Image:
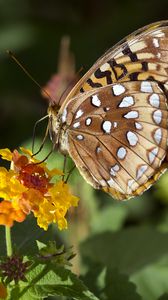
[113, 123]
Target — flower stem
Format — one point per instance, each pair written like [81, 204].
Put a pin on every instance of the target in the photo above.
[8, 240]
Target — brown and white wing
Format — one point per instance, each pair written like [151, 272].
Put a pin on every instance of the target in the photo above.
[117, 136]
[143, 55]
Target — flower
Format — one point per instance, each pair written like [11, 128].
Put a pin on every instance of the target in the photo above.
[13, 268]
[28, 187]
[6, 154]
[9, 214]
[55, 206]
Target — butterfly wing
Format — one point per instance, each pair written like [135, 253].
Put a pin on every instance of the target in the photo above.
[120, 147]
[143, 55]
[117, 136]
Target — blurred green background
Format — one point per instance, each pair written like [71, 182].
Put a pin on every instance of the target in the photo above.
[33, 30]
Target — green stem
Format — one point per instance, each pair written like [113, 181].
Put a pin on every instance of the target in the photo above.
[8, 241]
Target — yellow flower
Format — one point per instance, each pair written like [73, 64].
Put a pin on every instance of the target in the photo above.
[4, 177]
[25, 151]
[29, 187]
[10, 187]
[55, 205]
[6, 154]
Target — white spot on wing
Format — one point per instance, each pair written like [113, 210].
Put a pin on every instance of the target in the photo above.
[146, 87]
[76, 125]
[95, 101]
[157, 116]
[132, 138]
[80, 137]
[138, 125]
[112, 172]
[107, 126]
[158, 33]
[137, 46]
[121, 153]
[152, 154]
[145, 55]
[158, 135]
[104, 67]
[98, 149]
[111, 182]
[88, 121]
[79, 114]
[156, 42]
[130, 183]
[118, 89]
[103, 182]
[154, 100]
[114, 169]
[127, 101]
[141, 171]
[64, 115]
[131, 115]
[115, 124]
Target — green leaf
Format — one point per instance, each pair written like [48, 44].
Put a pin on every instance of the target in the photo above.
[109, 218]
[27, 233]
[152, 280]
[51, 280]
[117, 286]
[161, 190]
[57, 255]
[164, 297]
[40, 245]
[24, 236]
[93, 278]
[128, 250]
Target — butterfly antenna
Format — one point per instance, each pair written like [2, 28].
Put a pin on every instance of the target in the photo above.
[72, 82]
[12, 55]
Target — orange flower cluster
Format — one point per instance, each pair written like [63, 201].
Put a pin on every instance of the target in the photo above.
[28, 187]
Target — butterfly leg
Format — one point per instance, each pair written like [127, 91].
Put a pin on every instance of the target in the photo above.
[70, 173]
[64, 167]
[64, 170]
[47, 156]
[44, 139]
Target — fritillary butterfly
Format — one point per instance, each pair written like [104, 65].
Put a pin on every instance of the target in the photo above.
[113, 123]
